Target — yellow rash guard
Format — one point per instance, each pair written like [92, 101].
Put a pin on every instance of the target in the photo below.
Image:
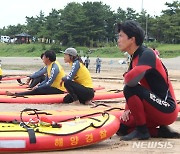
[80, 74]
[55, 73]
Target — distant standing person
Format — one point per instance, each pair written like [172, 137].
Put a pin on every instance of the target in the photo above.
[98, 64]
[128, 58]
[83, 58]
[87, 62]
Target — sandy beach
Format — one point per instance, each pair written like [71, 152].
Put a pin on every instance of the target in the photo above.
[111, 78]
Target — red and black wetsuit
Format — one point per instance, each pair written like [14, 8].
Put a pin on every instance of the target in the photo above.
[148, 92]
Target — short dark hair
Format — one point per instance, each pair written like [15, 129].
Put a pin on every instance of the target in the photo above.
[51, 55]
[42, 55]
[132, 29]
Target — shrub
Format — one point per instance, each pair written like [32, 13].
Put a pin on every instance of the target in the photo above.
[31, 49]
[55, 47]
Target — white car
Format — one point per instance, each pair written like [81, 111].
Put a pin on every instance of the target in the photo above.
[5, 39]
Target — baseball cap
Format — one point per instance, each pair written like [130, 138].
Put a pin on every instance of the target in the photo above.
[71, 51]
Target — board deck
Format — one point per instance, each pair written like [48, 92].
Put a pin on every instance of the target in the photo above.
[71, 134]
[12, 78]
[24, 88]
[56, 115]
[12, 86]
[54, 98]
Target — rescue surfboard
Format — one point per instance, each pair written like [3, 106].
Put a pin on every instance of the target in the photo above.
[54, 98]
[28, 137]
[24, 88]
[29, 114]
[6, 78]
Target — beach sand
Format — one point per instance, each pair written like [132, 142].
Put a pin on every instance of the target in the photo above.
[111, 78]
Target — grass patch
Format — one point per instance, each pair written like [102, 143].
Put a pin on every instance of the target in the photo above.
[35, 50]
[167, 50]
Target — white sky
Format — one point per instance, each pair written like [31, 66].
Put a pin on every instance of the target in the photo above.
[13, 12]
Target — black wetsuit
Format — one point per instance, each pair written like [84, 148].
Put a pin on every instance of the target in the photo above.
[148, 92]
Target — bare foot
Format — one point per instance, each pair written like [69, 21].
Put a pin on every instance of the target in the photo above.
[8, 93]
[75, 103]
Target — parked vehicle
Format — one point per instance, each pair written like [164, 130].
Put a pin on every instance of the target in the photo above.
[5, 39]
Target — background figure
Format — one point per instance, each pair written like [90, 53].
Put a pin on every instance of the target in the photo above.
[83, 58]
[87, 62]
[98, 64]
[128, 58]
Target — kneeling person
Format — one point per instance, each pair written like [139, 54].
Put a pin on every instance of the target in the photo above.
[79, 82]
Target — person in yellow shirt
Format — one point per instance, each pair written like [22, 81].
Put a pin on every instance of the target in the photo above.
[50, 85]
[79, 82]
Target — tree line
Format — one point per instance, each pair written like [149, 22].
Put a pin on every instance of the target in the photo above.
[93, 24]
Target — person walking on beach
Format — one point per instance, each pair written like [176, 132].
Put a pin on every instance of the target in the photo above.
[98, 64]
[87, 62]
[151, 104]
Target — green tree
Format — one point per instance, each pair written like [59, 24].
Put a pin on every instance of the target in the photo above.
[120, 15]
[73, 25]
[51, 26]
[131, 14]
[171, 27]
[35, 26]
[166, 28]
[174, 8]
[92, 24]
[13, 30]
[100, 22]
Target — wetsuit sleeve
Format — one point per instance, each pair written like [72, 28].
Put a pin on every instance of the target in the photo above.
[75, 68]
[54, 72]
[39, 73]
[146, 61]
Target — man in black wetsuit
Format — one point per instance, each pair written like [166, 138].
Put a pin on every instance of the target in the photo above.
[151, 103]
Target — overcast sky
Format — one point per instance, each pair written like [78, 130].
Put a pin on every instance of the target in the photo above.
[13, 12]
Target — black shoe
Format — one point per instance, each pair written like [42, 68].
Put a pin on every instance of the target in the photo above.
[167, 132]
[67, 99]
[140, 133]
[123, 130]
